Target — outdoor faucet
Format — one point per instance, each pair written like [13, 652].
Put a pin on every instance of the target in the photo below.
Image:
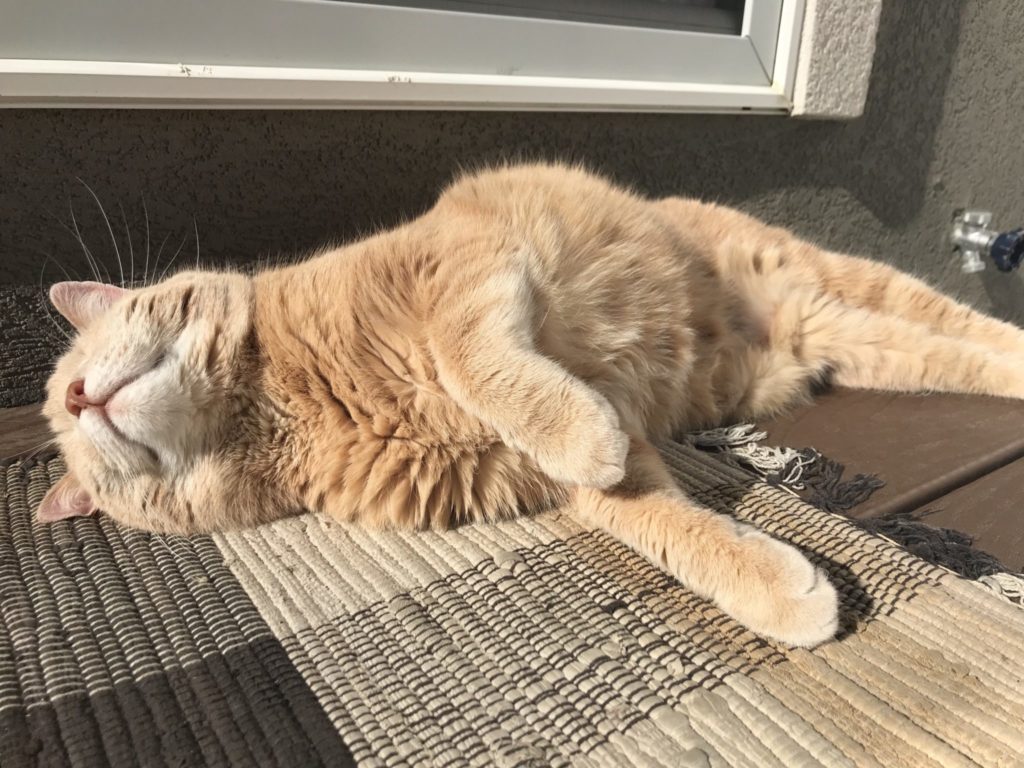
[974, 240]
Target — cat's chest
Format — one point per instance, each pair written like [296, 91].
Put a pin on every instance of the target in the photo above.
[395, 449]
[383, 389]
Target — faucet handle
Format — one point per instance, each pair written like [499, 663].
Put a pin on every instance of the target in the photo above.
[1007, 249]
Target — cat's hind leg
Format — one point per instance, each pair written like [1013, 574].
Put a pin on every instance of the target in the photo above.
[869, 350]
[765, 584]
[877, 287]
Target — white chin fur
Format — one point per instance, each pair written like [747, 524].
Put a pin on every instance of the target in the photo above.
[155, 412]
[122, 454]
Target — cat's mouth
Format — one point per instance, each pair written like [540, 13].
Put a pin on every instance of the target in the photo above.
[114, 429]
[103, 418]
[121, 385]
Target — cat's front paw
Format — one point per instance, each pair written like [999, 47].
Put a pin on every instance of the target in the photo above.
[591, 450]
[784, 597]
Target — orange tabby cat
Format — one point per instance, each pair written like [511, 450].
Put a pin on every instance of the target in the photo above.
[521, 344]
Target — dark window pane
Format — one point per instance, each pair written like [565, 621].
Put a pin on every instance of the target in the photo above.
[714, 16]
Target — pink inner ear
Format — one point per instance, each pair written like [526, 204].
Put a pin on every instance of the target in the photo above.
[67, 498]
[81, 303]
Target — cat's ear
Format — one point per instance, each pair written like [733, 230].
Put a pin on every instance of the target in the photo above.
[81, 303]
[67, 498]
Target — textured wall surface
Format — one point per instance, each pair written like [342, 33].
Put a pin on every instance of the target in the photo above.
[939, 130]
[837, 50]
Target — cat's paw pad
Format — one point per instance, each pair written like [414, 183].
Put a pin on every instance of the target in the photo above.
[592, 451]
[790, 600]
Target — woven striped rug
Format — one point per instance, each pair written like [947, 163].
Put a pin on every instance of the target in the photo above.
[530, 643]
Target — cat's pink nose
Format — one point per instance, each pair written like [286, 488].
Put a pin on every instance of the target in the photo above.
[75, 400]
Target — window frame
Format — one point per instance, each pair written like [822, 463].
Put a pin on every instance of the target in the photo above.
[753, 71]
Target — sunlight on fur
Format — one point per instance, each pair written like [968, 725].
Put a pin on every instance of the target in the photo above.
[520, 345]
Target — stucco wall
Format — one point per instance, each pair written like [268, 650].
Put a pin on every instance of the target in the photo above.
[940, 130]
[837, 50]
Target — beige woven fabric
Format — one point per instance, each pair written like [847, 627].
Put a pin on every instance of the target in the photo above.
[118, 648]
[530, 643]
[536, 642]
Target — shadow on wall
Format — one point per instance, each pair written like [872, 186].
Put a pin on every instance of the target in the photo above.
[1005, 294]
[265, 183]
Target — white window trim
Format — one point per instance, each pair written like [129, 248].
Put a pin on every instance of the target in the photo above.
[770, 36]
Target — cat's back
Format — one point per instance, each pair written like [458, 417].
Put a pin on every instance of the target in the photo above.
[595, 250]
[538, 197]
[505, 185]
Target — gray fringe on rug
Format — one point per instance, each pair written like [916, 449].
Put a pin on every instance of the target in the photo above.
[805, 470]
[819, 481]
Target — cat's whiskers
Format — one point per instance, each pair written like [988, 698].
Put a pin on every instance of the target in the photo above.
[44, 301]
[173, 258]
[145, 270]
[24, 455]
[66, 336]
[75, 233]
[110, 229]
[195, 226]
[131, 247]
[156, 262]
[168, 540]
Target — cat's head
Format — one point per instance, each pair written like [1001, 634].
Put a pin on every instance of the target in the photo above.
[152, 405]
